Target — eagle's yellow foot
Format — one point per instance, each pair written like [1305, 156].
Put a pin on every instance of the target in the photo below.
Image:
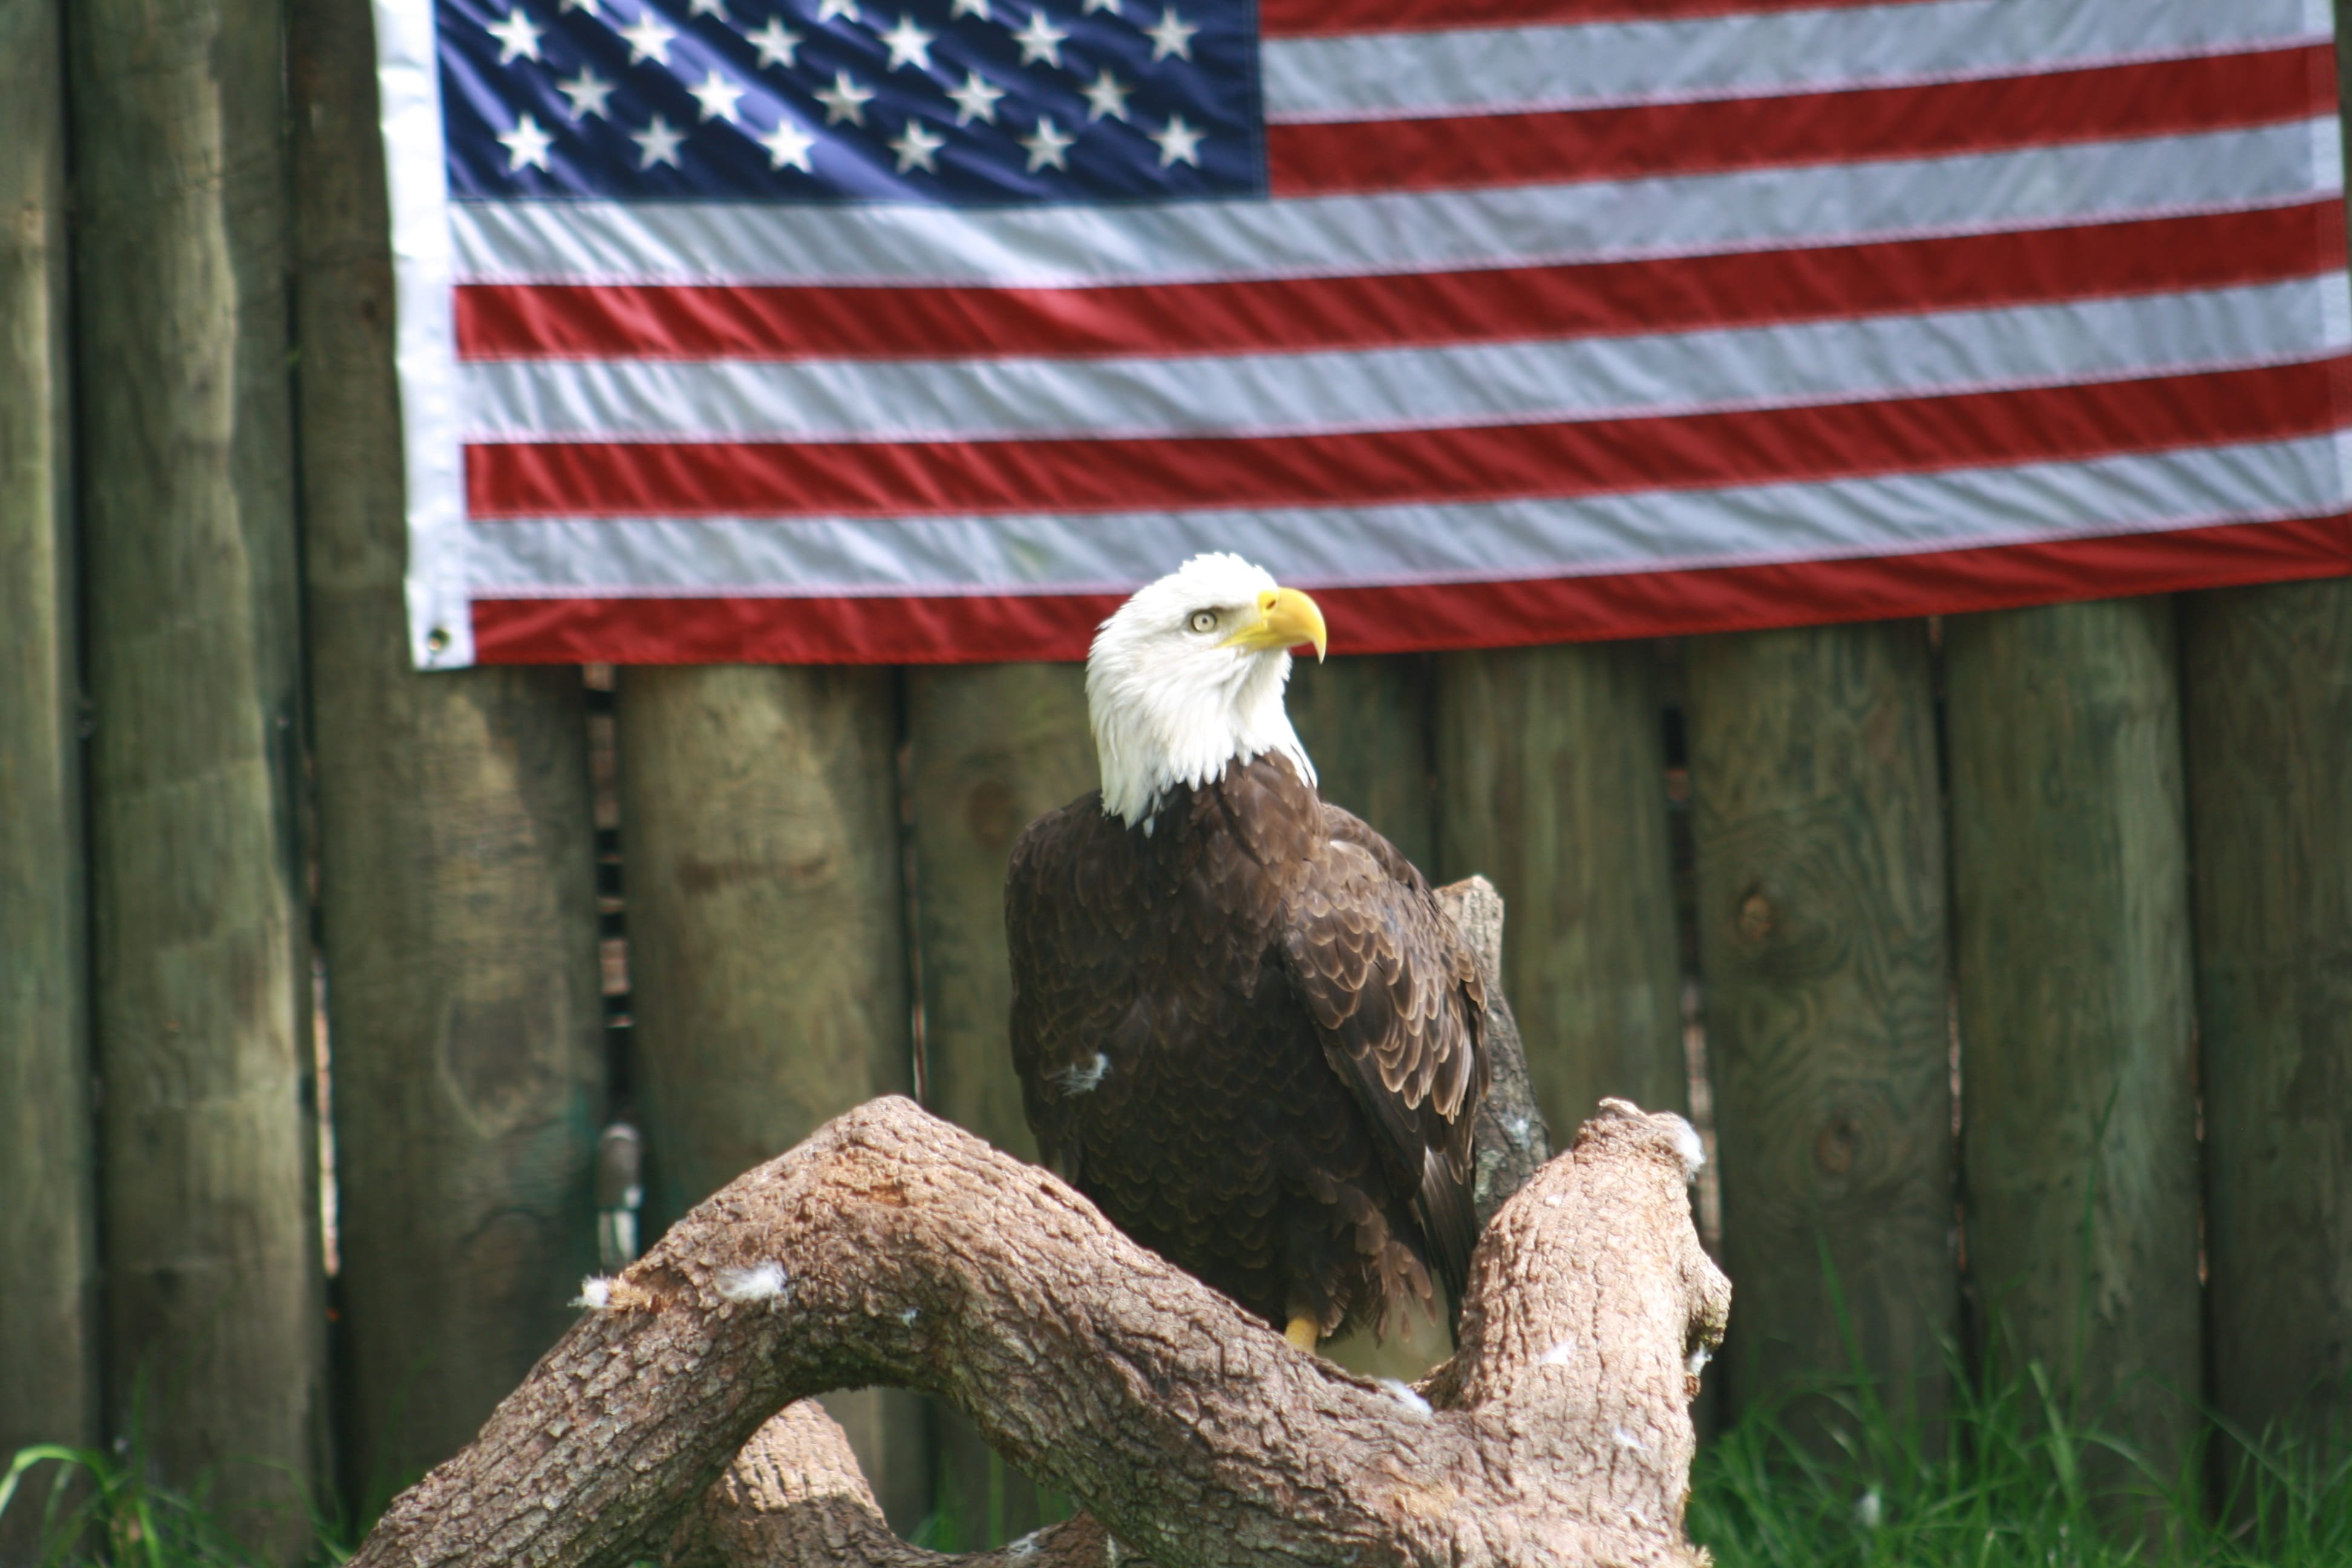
[1303, 1333]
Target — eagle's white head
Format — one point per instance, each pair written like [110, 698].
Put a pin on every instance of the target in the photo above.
[1187, 677]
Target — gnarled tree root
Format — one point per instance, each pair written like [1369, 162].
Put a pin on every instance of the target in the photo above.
[892, 1248]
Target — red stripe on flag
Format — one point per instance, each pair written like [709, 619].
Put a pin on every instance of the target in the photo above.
[1312, 18]
[2112, 103]
[1672, 294]
[1451, 464]
[1425, 617]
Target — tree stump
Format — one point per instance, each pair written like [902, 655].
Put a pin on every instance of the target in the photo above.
[892, 1247]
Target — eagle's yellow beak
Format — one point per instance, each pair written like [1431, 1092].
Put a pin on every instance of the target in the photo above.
[1285, 619]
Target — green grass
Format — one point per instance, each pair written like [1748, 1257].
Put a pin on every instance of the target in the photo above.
[957, 1523]
[2002, 1481]
[2007, 1478]
[92, 1509]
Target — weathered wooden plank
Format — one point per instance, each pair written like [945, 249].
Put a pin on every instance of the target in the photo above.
[201, 956]
[459, 921]
[2071, 903]
[1551, 764]
[48, 1334]
[2267, 675]
[767, 959]
[1365, 720]
[991, 747]
[1822, 931]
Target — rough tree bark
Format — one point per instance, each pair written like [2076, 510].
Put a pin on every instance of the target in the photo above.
[893, 1248]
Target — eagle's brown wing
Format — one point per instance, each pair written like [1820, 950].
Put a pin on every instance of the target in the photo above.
[1070, 988]
[1396, 997]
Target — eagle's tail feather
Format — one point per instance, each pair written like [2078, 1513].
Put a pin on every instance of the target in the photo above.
[1448, 1223]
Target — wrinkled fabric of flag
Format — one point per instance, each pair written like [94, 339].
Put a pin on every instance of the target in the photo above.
[910, 330]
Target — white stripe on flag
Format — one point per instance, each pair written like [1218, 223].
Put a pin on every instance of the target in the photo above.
[1044, 248]
[1621, 533]
[408, 85]
[1593, 65]
[1275, 395]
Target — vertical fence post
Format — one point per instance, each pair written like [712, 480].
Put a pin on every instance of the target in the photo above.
[459, 919]
[993, 748]
[1364, 721]
[48, 1344]
[2267, 674]
[1819, 844]
[2070, 884]
[767, 959]
[1551, 768]
[201, 954]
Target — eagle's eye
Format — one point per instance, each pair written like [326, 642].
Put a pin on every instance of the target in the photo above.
[1202, 621]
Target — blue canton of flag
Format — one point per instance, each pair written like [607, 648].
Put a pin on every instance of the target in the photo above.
[965, 102]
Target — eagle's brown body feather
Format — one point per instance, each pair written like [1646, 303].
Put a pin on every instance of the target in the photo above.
[1251, 1037]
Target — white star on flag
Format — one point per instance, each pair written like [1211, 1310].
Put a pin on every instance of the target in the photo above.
[587, 93]
[717, 94]
[1091, 6]
[916, 146]
[709, 8]
[789, 144]
[1179, 143]
[775, 43]
[1173, 37]
[658, 144]
[526, 144]
[908, 44]
[968, 8]
[976, 98]
[1040, 39]
[648, 40]
[844, 99]
[1047, 146]
[828, 9]
[588, 5]
[517, 36]
[1106, 95]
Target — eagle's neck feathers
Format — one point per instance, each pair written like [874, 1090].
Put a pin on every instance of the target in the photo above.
[1158, 728]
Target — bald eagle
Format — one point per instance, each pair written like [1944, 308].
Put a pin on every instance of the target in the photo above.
[1243, 1025]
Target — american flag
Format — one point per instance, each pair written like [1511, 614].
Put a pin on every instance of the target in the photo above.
[924, 330]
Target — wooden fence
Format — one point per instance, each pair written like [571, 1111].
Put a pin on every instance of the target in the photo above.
[2089, 868]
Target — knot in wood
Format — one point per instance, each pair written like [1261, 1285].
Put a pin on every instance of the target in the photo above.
[1837, 1142]
[993, 815]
